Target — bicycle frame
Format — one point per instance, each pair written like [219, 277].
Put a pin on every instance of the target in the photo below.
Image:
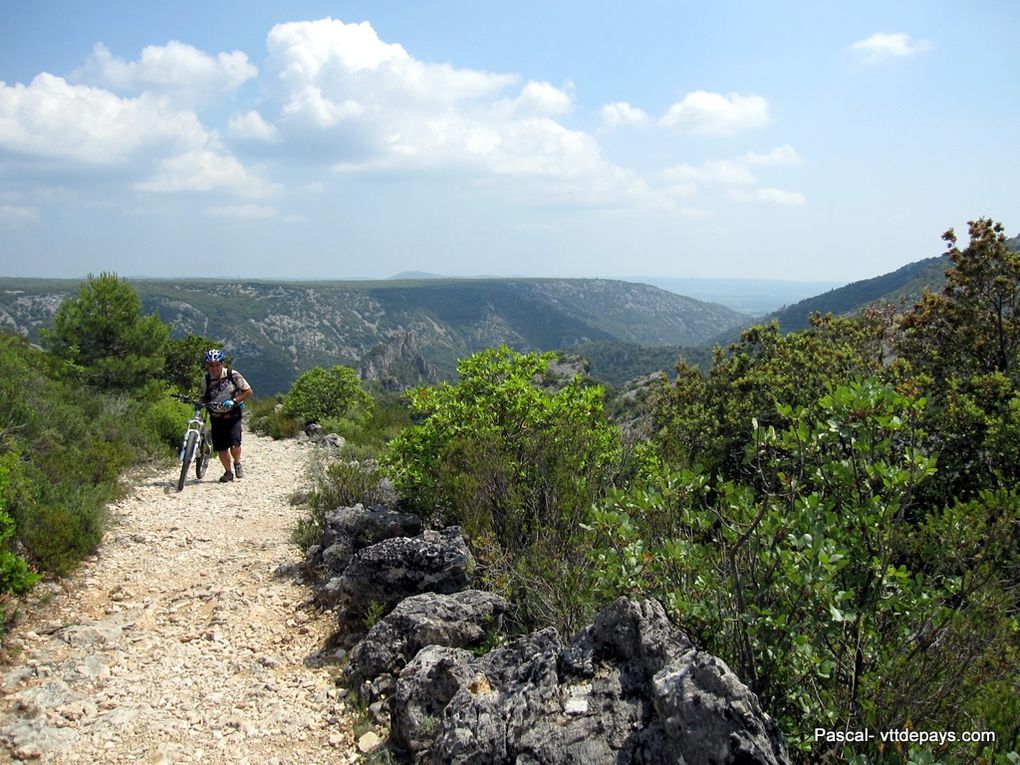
[195, 425]
[196, 445]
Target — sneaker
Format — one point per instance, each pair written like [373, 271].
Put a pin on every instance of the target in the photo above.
[238, 470]
[226, 477]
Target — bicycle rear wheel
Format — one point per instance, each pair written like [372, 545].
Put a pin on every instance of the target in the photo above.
[189, 455]
[204, 453]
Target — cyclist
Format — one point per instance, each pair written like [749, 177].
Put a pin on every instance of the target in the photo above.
[223, 389]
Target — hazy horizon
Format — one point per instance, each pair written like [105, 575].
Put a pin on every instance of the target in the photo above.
[425, 275]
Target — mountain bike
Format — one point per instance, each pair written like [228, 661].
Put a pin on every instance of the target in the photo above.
[197, 442]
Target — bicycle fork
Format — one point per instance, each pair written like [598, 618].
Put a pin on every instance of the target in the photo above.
[194, 426]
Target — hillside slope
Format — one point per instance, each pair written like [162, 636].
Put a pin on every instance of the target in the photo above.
[902, 287]
[277, 329]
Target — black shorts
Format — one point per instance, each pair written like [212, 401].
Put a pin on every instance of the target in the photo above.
[226, 432]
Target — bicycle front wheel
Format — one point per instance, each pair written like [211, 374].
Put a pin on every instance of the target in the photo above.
[189, 455]
[204, 453]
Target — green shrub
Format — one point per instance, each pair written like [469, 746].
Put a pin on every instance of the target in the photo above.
[309, 530]
[73, 444]
[15, 575]
[702, 418]
[267, 419]
[517, 465]
[318, 394]
[367, 429]
[166, 420]
[346, 483]
[368, 423]
[183, 368]
[339, 483]
[65, 525]
[813, 581]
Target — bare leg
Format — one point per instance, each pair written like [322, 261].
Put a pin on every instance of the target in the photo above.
[225, 460]
[235, 452]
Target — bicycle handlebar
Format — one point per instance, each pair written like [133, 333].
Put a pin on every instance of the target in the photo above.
[212, 406]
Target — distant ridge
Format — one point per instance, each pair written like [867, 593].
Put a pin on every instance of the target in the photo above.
[415, 275]
[276, 330]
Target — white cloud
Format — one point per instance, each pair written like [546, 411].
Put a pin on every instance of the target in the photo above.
[780, 155]
[310, 106]
[621, 113]
[349, 63]
[723, 172]
[771, 196]
[252, 127]
[51, 118]
[176, 70]
[680, 190]
[538, 99]
[715, 114]
[884, 45]
[15, 216]
[205, 170]
[308, 47]
[242, 212]
[735, 177]
[145, 139]
[780, 197]
[340, 97]
[369, 106]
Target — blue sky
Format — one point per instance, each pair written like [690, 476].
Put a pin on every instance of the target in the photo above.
[787, 140]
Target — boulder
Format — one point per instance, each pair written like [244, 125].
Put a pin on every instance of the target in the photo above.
[512, 697]
[383, 574]
[634, 636]
[460, 620]
[332, 441]
[629, 690]
[712, 716]
[349, 529]
[314, 433]
[425, 687]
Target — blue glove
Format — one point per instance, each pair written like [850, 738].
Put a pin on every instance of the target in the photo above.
[228, 404]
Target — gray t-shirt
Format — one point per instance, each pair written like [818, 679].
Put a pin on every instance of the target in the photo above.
[227, 385]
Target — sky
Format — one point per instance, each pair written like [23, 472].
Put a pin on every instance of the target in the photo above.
[334, 140]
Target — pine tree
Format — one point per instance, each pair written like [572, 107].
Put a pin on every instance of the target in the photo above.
[103, 335]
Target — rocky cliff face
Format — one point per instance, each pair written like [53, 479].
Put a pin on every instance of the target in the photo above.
[398, 364]
[26, 311]
[402, 332]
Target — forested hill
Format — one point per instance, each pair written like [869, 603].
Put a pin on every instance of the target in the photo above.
[901, 287]
[278, 329]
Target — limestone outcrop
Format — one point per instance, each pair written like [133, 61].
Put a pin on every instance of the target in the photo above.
[631, 689]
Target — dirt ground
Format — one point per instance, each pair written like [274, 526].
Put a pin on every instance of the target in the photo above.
[189, 638]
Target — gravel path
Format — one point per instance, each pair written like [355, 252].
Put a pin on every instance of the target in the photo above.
[189, 638]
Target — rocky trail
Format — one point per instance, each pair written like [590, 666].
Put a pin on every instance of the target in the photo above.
[188, 638]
